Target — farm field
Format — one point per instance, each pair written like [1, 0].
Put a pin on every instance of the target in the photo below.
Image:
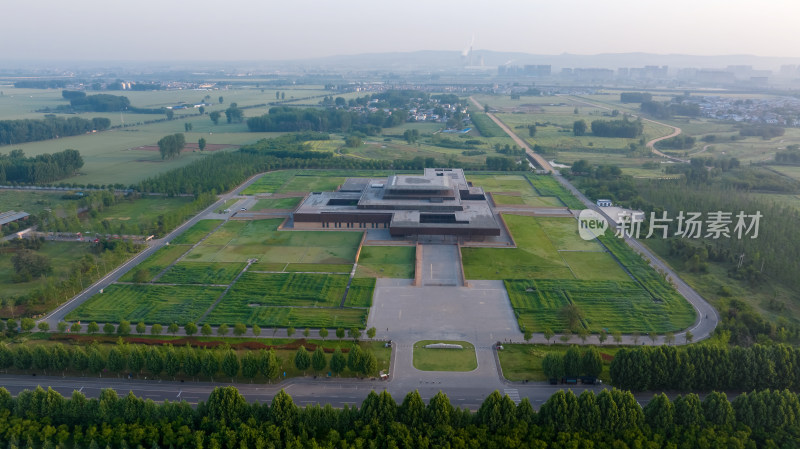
[313, 183]
[196, 232]
[163, 304]
[202, 273]
[438, 359]
[387, 261]
[238, 241]
[293, 299]
[788, 170]
[360, 293]
[524, 362]
[157, 262]
[269, 182]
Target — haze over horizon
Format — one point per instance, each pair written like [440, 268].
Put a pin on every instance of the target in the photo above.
[150, 30]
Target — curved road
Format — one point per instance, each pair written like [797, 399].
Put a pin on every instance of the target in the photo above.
[707, 316]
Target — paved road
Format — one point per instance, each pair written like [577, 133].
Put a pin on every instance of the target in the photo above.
[57, 315]
[304, 391]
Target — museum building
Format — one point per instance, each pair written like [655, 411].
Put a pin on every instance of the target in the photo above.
[440, 202]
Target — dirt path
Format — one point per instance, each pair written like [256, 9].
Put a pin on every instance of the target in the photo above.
[539, 159]
[651, 144]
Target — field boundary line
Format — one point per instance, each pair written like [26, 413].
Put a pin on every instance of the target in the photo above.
[225, 292]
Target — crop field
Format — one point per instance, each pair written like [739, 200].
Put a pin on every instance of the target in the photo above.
[387, 261]
[486, 126]
[544, 251]
[269, 182]
[288, 289]
[360, 293]
[163, 304]
[788, 170]
[277, 203]
[613, 305]
[238, 241]
[513, 189]
[548, 186]
[196, 232]
[157, 261]
[317, 268]
[202, 273]
[298, 317]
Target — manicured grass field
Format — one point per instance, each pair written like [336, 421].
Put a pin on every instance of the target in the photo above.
[196, 232]
[428, 359]
[304, 182]
[318, 268]
[269, 182]
[387, 261]
[537, 255]
[360, 293]
[513, 189]
[277, 203]
[547, 186]
[237, 241]
[524, 362]
[157, 261]
[598, 265]
[161, 304]
[202, 273]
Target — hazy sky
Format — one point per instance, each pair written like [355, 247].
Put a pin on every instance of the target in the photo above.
[294, 29]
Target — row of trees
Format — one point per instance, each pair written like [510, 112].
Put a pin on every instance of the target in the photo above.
[610, 419]
[153, 361]
[704, 367]
[286, 119]
[573, 363]
[41, 169]
[51, 127]
[617, 128]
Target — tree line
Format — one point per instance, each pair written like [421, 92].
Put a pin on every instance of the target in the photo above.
[286, 119]
[574, 363]
[171, 146]
[191, 362]
[617, 128]
[51, 127]
[15, 168]
[223, 171]
[705, 367]
[609, 419]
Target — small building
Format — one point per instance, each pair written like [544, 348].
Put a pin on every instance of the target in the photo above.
[12, 216]
[604, 203]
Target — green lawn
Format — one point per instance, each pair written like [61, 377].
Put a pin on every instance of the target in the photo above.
[152, 304]
[387, 261]
[202, 273]
[157, 261]
[430, 359]
[277, 203]
[269, 182]
[310, 183]
[135, 213]
[521, 362]
[196, 232]
[32, 202]
[238, 241]
[513, 189]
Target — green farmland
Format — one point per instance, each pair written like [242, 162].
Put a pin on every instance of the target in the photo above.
[162, 304]
[196, 232]
[157, 262]
[202, 273]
